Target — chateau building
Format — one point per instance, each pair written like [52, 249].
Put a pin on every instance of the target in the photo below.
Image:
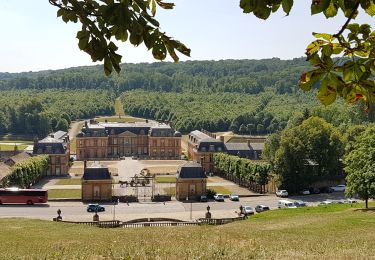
[57, 147]
[201, 149]
[142, 139]
[202, 146]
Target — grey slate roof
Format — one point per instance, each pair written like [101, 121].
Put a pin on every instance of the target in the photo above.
[237, 147]
[96, 172]
[257, 146]
[191, 170]
[59, 134]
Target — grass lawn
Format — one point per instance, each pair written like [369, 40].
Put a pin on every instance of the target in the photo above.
[119, 120]
[73, 146]
[119, 110]
[10, 147]
[332, 232]
[170, 191]
[220, 189]
[69, 182]
[64, 194]
[166, 179]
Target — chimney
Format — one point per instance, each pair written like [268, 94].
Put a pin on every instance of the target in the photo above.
[84, 165]
[202, 158]
[146, 120]
[248, 143]
[35, 140]
[106, 121]
[222, 138]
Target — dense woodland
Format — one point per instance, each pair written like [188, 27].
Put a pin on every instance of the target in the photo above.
[37, 112]
[244, 96]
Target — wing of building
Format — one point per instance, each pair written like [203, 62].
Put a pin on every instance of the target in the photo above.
[57, 147]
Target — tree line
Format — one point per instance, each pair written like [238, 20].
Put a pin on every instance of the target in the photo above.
[252, 174]
[26, 173]
[38, 113]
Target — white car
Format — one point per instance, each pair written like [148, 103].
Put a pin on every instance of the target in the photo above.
[340, 187]
[282, 193]
[247, 210]
[219, 197]
[326, 202]
[304, 192]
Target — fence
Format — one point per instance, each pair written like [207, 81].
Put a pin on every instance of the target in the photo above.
[156, 222]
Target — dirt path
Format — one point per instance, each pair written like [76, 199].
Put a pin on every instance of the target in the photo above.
[75, 126]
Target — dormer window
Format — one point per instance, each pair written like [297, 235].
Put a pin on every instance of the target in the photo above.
[212, 148]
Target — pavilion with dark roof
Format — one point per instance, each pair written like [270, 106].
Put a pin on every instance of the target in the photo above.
[191, 181]
[96, 183]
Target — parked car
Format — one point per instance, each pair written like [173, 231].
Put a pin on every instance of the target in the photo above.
[234, 197]
[261, 208]
[286, 204]
[340, 187]
[282, 193]
[95, 207]
[203, 198]
[304, 192]
[219, 197]
[314, 190]
[326, 190]
[326, 202]
[247, 210]
[350, 201]
[299, 203]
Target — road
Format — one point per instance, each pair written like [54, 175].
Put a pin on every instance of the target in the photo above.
[76, 211]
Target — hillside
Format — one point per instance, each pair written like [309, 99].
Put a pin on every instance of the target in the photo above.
[330, 232]
[244, 96]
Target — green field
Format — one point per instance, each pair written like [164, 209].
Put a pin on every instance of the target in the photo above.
[122, 119]
[64, 194]
[69, 182]
[166, 179]
[332, 232]
[10, 147]
[220, 189]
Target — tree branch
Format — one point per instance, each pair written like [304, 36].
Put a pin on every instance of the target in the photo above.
[347, 21]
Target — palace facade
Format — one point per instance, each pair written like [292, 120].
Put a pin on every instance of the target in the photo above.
[141, 139]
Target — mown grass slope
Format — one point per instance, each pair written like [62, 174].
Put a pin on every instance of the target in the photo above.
[332, 232]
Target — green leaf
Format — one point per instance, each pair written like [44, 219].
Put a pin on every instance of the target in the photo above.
[331, 11]
[153, 8]
[325, 36]
[107, 66]
[318, 6]
[287, 6]
[327, 92]
[370, 9]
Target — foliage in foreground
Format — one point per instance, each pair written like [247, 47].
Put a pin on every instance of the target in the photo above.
[332, 232]
[360, 166]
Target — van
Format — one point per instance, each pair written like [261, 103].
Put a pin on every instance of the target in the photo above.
[286, 204]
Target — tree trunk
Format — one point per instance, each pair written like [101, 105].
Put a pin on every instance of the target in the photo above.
[366, 203]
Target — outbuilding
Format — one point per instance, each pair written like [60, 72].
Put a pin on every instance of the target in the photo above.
[96, 183]
[191, 181]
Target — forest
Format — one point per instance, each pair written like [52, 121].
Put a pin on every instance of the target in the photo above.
[244, 96]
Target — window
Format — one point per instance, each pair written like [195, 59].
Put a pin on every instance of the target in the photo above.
[114, 140]
[154, 142]
[80, 142]
[212, 148]
[219, 149]
[162, 142]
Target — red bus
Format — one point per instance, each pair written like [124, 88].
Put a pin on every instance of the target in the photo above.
[27, 196]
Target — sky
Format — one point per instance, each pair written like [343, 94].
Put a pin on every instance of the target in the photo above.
[33, 38]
